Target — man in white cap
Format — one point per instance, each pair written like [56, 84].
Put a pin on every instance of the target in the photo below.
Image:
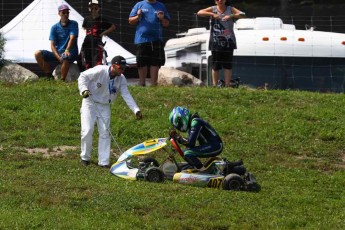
[64, 46]
[99, 87]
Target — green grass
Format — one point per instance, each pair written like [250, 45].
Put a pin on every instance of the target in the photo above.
[292, 141]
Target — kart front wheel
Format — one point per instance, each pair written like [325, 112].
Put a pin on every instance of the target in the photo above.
[233, 182]
[154, 175]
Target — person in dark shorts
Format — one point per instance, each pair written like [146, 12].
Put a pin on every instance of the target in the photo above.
[91, 53]
[222, 38]
[150, 16]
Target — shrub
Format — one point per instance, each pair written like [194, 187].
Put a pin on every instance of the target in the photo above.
[2, 50]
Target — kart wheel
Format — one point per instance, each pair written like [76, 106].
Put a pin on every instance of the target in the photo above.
[253, 187]
[251, 184]
[233, 182]
[152, 160]
[240, 170]
[154, 175]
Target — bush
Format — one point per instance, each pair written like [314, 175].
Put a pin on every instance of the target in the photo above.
[2, 50]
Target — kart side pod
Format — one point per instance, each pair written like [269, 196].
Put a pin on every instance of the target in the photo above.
[199, 180]
[231, 181]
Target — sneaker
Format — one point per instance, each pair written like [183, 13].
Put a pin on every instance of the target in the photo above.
[85, 163]
[104, 166]
[235, 83]
[49, 77]
[221, 84]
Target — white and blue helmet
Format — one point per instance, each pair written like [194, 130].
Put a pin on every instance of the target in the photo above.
[179, 118]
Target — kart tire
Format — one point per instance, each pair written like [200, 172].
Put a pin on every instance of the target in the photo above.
[154, 174]
[233, 182]
[251, 184]
[147, 160]
[240, 170]
[254, 187]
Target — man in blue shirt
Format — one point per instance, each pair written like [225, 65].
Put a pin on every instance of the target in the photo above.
[150, 16]
[64, 47]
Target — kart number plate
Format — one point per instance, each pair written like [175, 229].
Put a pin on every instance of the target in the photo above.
[214, 182]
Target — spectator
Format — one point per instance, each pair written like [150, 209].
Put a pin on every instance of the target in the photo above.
[150, 16]
[64, 47]
[222, 38]
[99, 87]
[96, 27]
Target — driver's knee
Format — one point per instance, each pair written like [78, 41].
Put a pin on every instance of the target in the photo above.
[193, 160]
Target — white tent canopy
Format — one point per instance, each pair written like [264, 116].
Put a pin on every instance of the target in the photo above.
[29, 31]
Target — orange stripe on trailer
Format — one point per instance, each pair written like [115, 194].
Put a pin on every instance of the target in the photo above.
[301, 39]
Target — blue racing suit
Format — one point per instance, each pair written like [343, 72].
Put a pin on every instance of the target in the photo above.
[209, 142]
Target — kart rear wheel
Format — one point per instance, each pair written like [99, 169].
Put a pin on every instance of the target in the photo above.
[233, 182]
[154, 175]
[240, 170]
[253, 187]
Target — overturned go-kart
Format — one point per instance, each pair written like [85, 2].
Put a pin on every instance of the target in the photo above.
[219, 173]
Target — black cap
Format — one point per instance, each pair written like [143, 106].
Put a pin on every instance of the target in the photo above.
[119, 60]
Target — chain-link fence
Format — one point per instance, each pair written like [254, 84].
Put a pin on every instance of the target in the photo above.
[298, 73]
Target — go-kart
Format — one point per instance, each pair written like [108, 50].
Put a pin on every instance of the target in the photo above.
[219, 173]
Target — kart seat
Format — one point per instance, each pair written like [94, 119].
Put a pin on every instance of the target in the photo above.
[210, 160]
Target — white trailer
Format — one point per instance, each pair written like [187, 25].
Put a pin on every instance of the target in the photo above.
[268, 52]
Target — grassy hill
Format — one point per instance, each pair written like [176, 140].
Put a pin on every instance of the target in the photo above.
[292, 141]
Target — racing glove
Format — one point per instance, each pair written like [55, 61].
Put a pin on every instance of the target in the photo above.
[86, 93]
[139, 115]
[173, 134]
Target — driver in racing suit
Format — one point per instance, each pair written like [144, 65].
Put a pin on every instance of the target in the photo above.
[210, 144]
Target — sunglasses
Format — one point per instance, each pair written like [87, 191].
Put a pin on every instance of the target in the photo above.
[94, 8]
[65, 12]
[121, 67]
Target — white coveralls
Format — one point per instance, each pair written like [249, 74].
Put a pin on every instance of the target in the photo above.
[103, 92]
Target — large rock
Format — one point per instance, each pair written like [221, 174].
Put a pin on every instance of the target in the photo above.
[73, 73]
[172, 76]
[14, 73]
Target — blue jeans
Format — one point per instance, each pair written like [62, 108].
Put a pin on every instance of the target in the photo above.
[48, 56]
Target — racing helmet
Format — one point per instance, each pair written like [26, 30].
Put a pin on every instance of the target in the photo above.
[179, 118]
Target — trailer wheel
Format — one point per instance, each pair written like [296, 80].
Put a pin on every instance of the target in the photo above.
[233, 182]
